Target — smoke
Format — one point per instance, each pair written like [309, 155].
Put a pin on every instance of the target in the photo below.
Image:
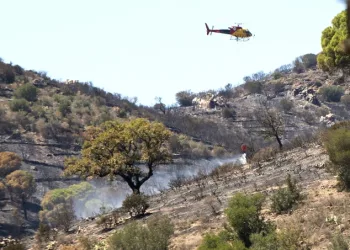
[108, 195]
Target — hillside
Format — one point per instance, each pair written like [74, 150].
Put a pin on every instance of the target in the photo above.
[44, 121]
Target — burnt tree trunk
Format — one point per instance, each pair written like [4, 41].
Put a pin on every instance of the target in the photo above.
[279, 141]
[134, 181]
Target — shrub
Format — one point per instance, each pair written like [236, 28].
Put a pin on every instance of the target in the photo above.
[286, 104]
[136, 204]
[332, 93]
[278, 87]
[18, 70]
[264, 242]
[229, 113]
[345, 99]
[339, 243]
[309, 60]
[285, 198]
[211, 241]
[264, 154]
[298, 66]
[27, 91]
[19, 105]
[2, 194]
[87, 243]
[277, 75]
[184, 98]
[43, 233]
[337, 143]
[218, 151]
[253, 87]
[16, 246]
[64, 106]
[9, 162]
[227, 92]
[244, 216]
[7, 75]
[154, 235]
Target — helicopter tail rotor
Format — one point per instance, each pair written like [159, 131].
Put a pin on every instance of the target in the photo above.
[208, 30]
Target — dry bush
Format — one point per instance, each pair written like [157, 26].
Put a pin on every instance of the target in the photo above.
[69, 247]
[214, 205]
[9, 162]
[218, 151]
[106, 221]
[87, 243]
[345, 99]
[264, 154]
[178, 182]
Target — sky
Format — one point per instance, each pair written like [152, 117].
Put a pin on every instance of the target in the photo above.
[156, 48]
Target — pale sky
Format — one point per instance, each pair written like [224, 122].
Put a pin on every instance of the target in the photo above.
[149, 48]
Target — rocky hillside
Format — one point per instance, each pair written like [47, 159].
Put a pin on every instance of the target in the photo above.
[197, 207]
[43, 121]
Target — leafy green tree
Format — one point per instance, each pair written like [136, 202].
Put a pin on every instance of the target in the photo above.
[332, 55]
[21, 185]
[27, 91]
[117, 149]
[57, 204]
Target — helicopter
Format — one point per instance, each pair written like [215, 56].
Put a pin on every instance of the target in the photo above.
[237, 32]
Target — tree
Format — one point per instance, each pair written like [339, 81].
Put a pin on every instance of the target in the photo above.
[9, 162]
[22, 185]
[160, 105]
[346, 43]
[57, 204]
[298, 66]
[332, 55]
[270, 120]
[117, 149]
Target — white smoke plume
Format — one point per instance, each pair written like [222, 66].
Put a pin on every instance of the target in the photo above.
[110, 195]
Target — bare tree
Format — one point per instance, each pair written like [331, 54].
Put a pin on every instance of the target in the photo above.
[270, 120]
[159, 105]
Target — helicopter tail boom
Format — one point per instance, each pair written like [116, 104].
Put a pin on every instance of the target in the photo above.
[208, 30]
